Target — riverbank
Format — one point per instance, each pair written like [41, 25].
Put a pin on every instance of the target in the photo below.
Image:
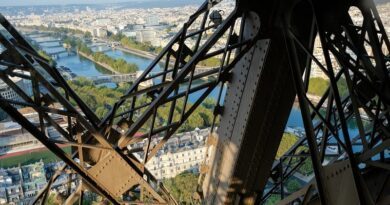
[99, 63]
[137, 52]
[143, 54]
[148, 55]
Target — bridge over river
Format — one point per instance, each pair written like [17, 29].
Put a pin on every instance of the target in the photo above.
[56, 54]
[119, 78]
[131, 77]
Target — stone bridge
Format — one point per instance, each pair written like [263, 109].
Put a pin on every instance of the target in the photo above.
[119, 78]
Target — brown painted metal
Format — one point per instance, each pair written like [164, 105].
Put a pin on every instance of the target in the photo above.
[266, 66]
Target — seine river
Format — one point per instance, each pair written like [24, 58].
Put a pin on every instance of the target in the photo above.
[84, 67]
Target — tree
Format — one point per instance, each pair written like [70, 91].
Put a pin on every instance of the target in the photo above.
[288, 140]
[116, 37]
[87, 34]
[98, 97]
[209, 103]
[293, 185]
[146, 46]
[210, 62]
[342, 86]
[306, 168]
[273, 199]
[182, 187]
[46, 56]
[51, 200]
[70, 41]
[119, 65]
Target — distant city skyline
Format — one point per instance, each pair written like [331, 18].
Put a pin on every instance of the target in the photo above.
[65, 2]
[5, 3]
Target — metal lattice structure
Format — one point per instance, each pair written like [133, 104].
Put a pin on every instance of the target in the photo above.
[356, 63]
[101, 157]
[267, 57]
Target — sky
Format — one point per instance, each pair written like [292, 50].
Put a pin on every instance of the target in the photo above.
[57, 2]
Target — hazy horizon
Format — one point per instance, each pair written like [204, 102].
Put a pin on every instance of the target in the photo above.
[65, 2]
[6, 3]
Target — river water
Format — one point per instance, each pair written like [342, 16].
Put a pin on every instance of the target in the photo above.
[84, 67]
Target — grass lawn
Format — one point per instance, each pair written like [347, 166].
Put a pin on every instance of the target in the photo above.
[31, 157]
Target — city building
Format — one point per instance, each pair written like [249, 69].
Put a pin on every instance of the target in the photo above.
[18, 185]
[7, 93]
[99, 32]
[152, 21]
[183, 152]
[13, 138]
[174, 160]
[148, 36]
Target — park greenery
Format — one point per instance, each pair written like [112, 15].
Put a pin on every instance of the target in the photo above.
[145, 46]
[306, 167]
[210, 62]
[100, 99]
[182, 187]
[293, 185]
[71, 41]
[288, 140]
[119, 65]
[273, 199]
[46, 56]
[318, 86]
[89, 198]
[342, 86]
[32, 157]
